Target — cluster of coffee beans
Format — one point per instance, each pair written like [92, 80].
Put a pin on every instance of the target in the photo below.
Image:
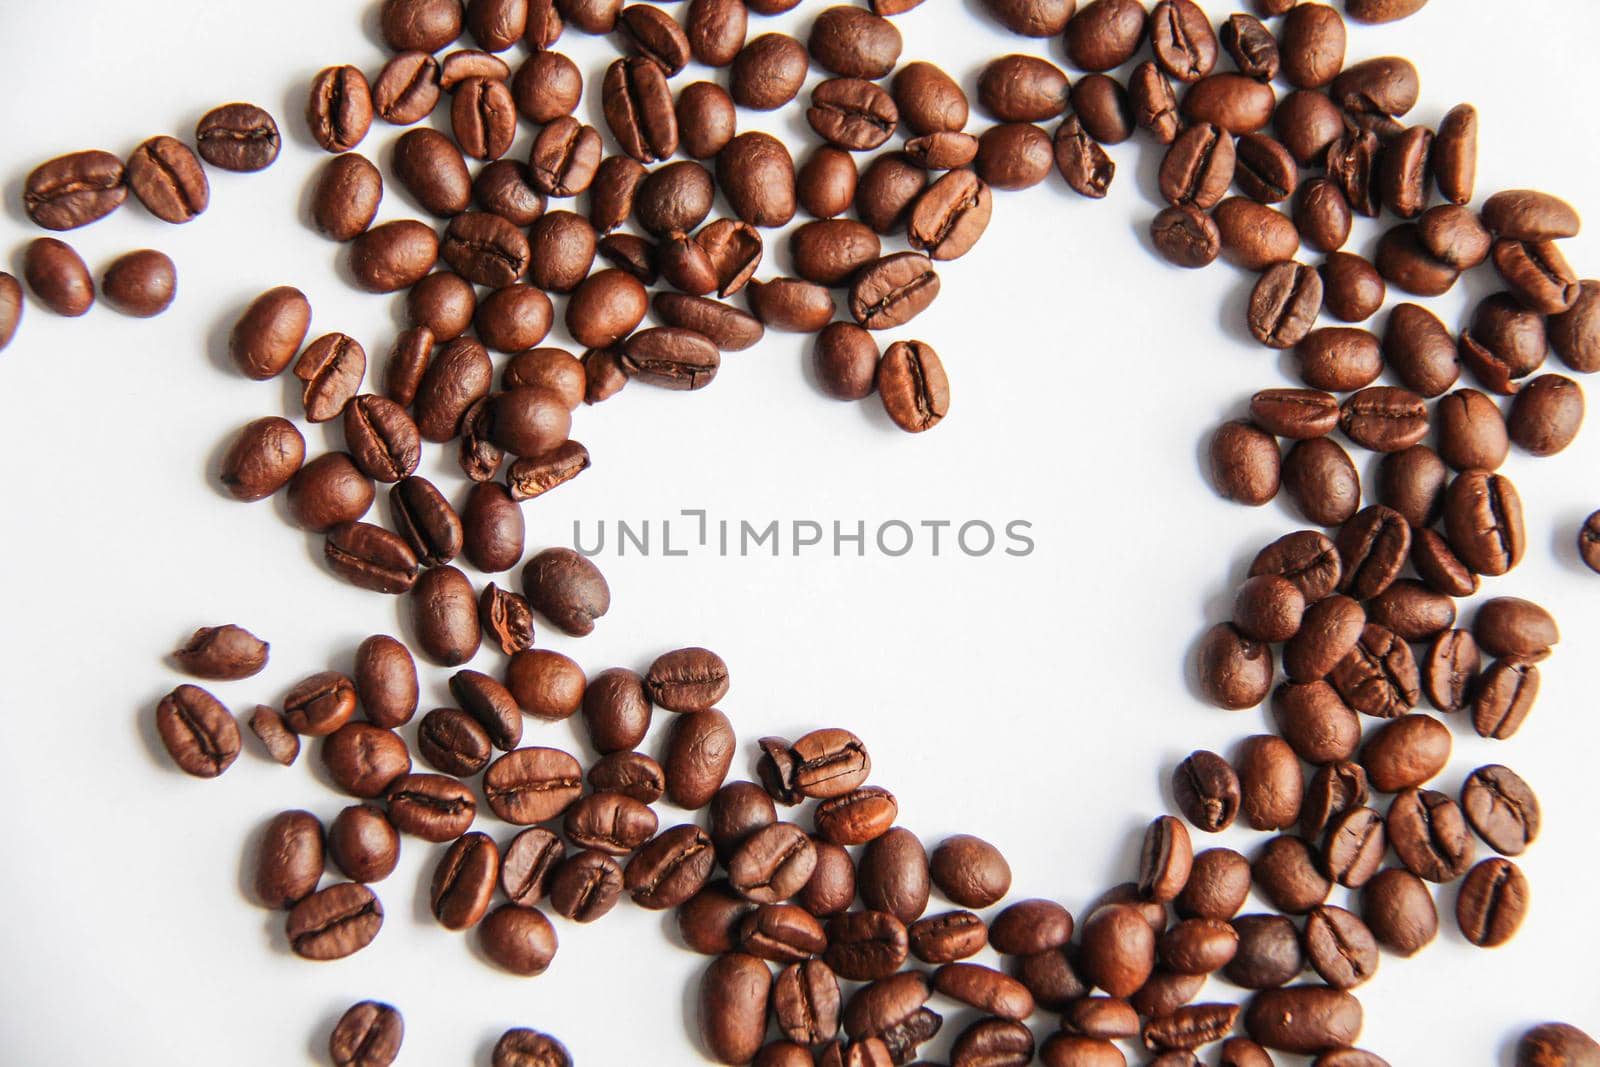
[1343, 608]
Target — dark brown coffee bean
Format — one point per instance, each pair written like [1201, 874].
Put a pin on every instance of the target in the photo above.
[1234, 671]
[289, 860]
[1298, 414]
[1505, 342]
[1303, 1019]
[346, 196]
[386, 680]
[528, 865]
[426, 520]
[168, 180]
[771, 864]
[237, 137]
[546, 684]
[1429, 834]
[444, 612]
[368, 1034]
[1021, 88]
[852, 114]
[518, 939]
[1198, 168]
[546, 86]
[371, 557]
[1284, 304]
[699, 752]
[1503, 697]
[1454, 236]
[567, 589]
[1502, 808]
[929, 100]
[1537, 274]
[529, 1048]
[320, 704]
[334, 922]
[1340, 947]
[639, 110]
[1264, 169]
[222, 653]
[1269, 953]
[854, 43]
[1207, 791]
[1322, 215]
[328, 491]
[491, 706]
[393, 255]
[407, 88]
[1483, 522]
[1492, 903]
[1288, 876]
[339, 109]
[453, 742]
[1164, 860]
[1244, 464]
[1316, 722]
[1118, 949]
[1083, 164]
[1103, 108]
[1182, 38]
[1032, 18]
[1545, 416]
[1185, 236]
[443, 304]
[464, 881]
[739, 810]
[1406, 752]
[1251, 46]
[1472, 432]
[671, 868]
[1530, 215]
[1270, 783]
[1399, 911]
[58, 277]
[1253, 235]
[1450, 671]
[1218, 885]
[1556, 1045]
[1153, 102]
[856, 817]
[331, 367]
[1105, 33]
[74, 190]
[945, 938]
[913, 385]
[276, 737]
[1512, 627]
[1234, 102]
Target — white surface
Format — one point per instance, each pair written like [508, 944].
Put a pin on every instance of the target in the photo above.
[1039, 702]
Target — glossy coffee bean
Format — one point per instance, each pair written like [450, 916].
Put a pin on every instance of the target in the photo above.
[334, 922]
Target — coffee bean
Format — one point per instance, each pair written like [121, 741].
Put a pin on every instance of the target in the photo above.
[1207, 791]
[671, 868]
[1083, 164]
[518, 939]
[1420, 350]
[756, 174]
[852, 114]
[320, 704]
[371, 557]
[1483, 522]
[638, 108]
[782, 933]
[1492, 903]
[857, 817]
[464, 881]
[1234, 671]
[334, 922]
[1164, 860]
[1512, 627]
[1529, 215]
[1503, 697]
[1545, 416]
[222, 653]
[385, 679]
[805, 1002]
[363, 844]
[1251, 46]
[846, 361]
[1340, 947]
[866, 946]
[1118, 949]
[1268, 955]
[1575, 334]
[453, 742]
[237, 137]
[1288, 876]
[1185, 236]
[734, 995]
[1264, 170]
[444, 613]
[1405, 263]
[368, 1034]
[1153, 102]
[1303, 1019]
[945, 938]
[1253, 235]
[854, 43]
[74, 190]
[331, 367]
[58, 277]
[911, 381]
[407, 88]
[1429, 834]
[605, 308]
[1196, 946]
[1021, 88]
[1218, 885]
[491, 705]
[715, 30]
[339, 108]
[739, 810]
[1556, 1045]
[546, 684]
[346, 197]
[546, 86]
[168, 180]
[1032, 18]
[529, 1048]
[1502, 808]
[1244, 464]
[1105, 33]
[1017, 155]
[1537, 274]
[394, 255]
[1182, 38]
[1284, 304]
[826, 183]
[1505, 342]
[671, 357]
[279, 741]
[289, 860]
[1270, 783]
[1454, 236]
[885, 1004]
[1234, 102]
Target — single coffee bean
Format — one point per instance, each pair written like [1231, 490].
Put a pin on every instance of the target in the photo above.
[320, 704]
[1021, 88]
[1198, 167]
[407, 88]
[371, 557]
[1118, 949]
[1340, 947]
[1502, 808]
[1186, 236]
[276, 737]
[1105, 33]
[857, 817]
[1288, 876]
[1083, 164]
[689, 679]
[394, 255]
[168, 180]
[237, 137]
[224, 653]
[444, 612]
[1454, 236]
[503, 188]
[1244, 464]
[866, 946]
[1182, 39]
[715, 30]
[1164, 860]
[826, 183]
[454, 742]
[334, 922]
[1251, 46]
[1235, 672]
[1545, 416]
[1269, 953]
[546, 684]
[969, 871]
[486, 249]
[885, 1004]
[491, 705]
[734, 996]
[289, 860]
[1270, 783]
[385, 678]
[1207, 791]
[1032, 18]
[567, 589]
[805, 1002]
[339, 108]
[1235, 102]
[1399, 911]
[1420, 350]
[529, 1048]
[432, 806]
[671, 357]
[737, 811]
[1450, 672]
[1254, 236]
[1153, 102]
[1504, 695]
[846, 361]
[700, 750]
[1265, 170]
[518, 939]
[854, 43]
[1492, 903]
[1104, 108]
[1303, 1019]
[346, 197]
[1284, 304]
[671, 868]
[1483, 522]
[368, 1034]
[58, 277]
[1218, 885]
[912, 382]
[1405, 262]
[1556, 1045]
[1512, 627]
[464, 881]
[852, 114]
[768, 72]
[1429, 834]
[1316, 722]
[606, 308]
[1506, 341]
[363, 844]
[772, 863]
[930, 101]
[425, 519]
[74, 190]
[945, 938]
[331, 367]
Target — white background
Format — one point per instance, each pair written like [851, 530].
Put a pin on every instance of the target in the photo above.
[1039, 702]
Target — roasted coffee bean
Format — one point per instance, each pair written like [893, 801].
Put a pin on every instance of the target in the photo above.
[1303, 1019]
[1288, 876]
[1244, 463]
[1021, 88]
[1505, 342]
[345, 199]
[443, 304]
[567, 589]
[1103, 107]
[407, 88]
[1017, 155]
[1322, 481]
[1483, 522]
[730, 329]
[969, 871]
[362, 844]
[74, 190]
[1185, 236]
[1322, 216]
[463, 882]
[1298, 414]
[528, 866]
[546, 86]
[426, 520]
[1032, 18]
[522, 1047]
[1429, 834]
[1153, 102]
[1503, 697]
[1083, 164]
[1182, 38]
[546, 684]
[1354, 289]
[846, 361]
[1454, 236]
[368, 1034]
[700, 750]
[671, 868]
[756, 174]
[444, 613]
[486, 249]
[1406, 752]
[1105, 33]
[371, 557]
[237, 137]
[1492, 903]
[826, 183]
[1284, 304]
[1028, 927]
[1412, 611]
[483, 118]
[1234, 671]
[1403, 260]
[1378, 676]
[1190, 1027]
[854, 43]
[1164, 860]
[331, 367]
[1529, 215]
[393, 255]
[385, 679]
[1545, 416]
[518, 939]
[334, 922]
[1341, 949]
[58, 277]
[427, 25]
[734, 996]
[339, 109]
[453, 742]
[768, 72]
[887, 189]
[715, 30]
[930, 101]
[1270, 782]
[782, 933]
[1264, 169]
[275, 736]
[289, 859]
[1502, 808]
[948, 937]
[852, 114]
[1251, 46]
[10, 308]
[140, 284]
[1399, 911]
[606, 308]
[503, 188]
[1207, 791]
[1450, 671]
[1316, 722]
[1118, 949]
[986, 989]
[1373, 547]
[532, 785]
[1253, 235]
[856, 817]
[638, 109]
[224, 653]
[1269, 953]
[1537, 274]
[912, 383]
[1218, 885]
[1196, 946]
[737, 811]
[609, 822]
[689, 679]
[1556, 1045]
[168, 180]
[1512, 627]
[1198, 168]
[671, 357]
[885, 1004]
[1234, 102]
[1575, 334]
[866, 945]
[805, 1003]
[1472, 432]
[491, 705]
